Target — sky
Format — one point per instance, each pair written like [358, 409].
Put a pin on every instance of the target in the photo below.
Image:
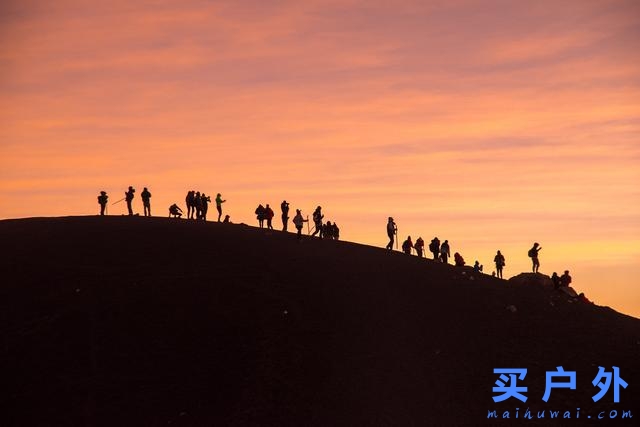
[493, 124]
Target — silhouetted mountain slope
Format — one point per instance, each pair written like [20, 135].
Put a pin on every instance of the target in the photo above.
[150, 321]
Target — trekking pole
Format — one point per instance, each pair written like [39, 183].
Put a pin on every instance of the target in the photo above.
[118, 201]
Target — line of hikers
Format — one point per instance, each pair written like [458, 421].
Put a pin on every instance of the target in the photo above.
[442, 251]
[324, 231]
[197, 204]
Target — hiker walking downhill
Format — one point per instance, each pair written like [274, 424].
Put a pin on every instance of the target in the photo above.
[146, 201]
[284, 207]
[499, 260]
[219, 203]
[317, 221]
[299, 221]
[128, 197]
[533, 254]
[419, 246]
[102, 201]
[392, 230]
[445, 252]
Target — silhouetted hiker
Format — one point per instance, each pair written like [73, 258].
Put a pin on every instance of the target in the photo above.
[268, 215]
[477, 267]
[327, 230]
[317, 221]
[419, 246]
[175, 211]
[407, 245]
[458, 260]
[191, 204]
[499, 260]
[555, 279]
[434, 247]
[204, 206]
[533, 254]
[284, 207]
[392, 230]
[102, 201]
[128, 197]
[445, 252]
[219, 203]
[146, 201]
[299, 221]
[197, 205]
[336, 231]
[226, 219]
[565, 279]
[260, 215]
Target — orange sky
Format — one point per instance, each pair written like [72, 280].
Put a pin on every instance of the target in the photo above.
[493, 124]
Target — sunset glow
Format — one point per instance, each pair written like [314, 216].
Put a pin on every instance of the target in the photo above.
[492, 124]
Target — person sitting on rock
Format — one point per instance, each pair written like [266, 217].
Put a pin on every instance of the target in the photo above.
[565, 279]
[458, 260]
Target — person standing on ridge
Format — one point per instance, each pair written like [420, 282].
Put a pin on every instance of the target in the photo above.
[260, 215]
[219, 203]
[284, 207]
[128, 197]
[268, 215]
[533, 254]
[146, 201]
[407, 245]
[299, 221]
[499, 260]
[197, 205]
[102, 201]
[445, 252]
[392, 230]
[336, 231]
[317, 221]
[191, 203]
[204, 202]
[419, 246]
[434, 247]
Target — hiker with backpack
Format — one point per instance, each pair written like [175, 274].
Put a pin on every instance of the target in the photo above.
[419, 246]
[284, 207]
[407, 245]
[434, 247]
[146, 201]
[499, 260]
[335, 231]
[317, 221]
[102, 201]
[219, 203]
[445, 252]
[128, 197]
[533, 254]
[392, 230]
[268, 215]
[299, 221]
[260, 215]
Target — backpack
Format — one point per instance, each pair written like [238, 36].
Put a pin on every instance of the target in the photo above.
[532, 252]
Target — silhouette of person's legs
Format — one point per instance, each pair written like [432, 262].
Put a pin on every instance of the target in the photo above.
[129, 207]
[219, 212]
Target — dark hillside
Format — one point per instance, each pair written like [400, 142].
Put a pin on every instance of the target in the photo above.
[153, 322]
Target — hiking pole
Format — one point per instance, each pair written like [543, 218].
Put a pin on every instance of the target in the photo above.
[118, 201]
